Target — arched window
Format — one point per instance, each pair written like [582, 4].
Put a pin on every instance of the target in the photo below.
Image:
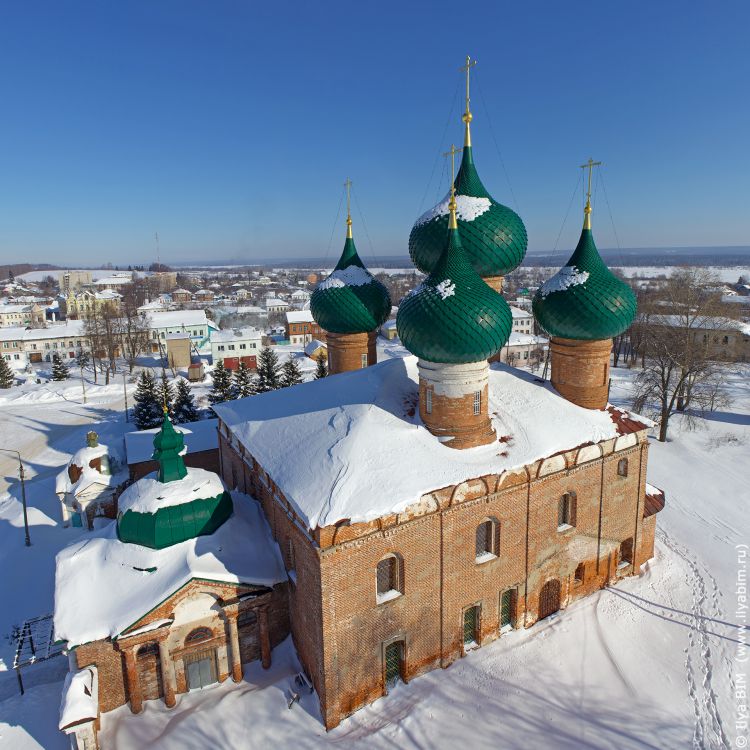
[622, 467]
[566, 511]
[389, 578]
[487, 540]
[198, 636]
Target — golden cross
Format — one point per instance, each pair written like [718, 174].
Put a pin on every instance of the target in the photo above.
[590, 164]
[466, 68]
[348, 186]
[452, 153]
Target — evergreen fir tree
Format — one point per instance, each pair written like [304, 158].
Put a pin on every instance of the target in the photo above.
[184, 409]
[268, 371]
[222, 389]
[59, 368]
[147, 411]
[165, 394]
[6, 374]
[321, 371]
[290, 373]
[244, 382]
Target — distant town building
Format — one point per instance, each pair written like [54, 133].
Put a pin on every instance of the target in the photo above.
[193, 322]
[274, 304]
[236, 345]
[204, 295]
[179, 348]
[12, 347]
[182, 295]
[71, 281]
[301, 328]
[83, 304]
[21, 315]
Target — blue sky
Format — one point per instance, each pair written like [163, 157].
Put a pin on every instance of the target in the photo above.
[230, 127]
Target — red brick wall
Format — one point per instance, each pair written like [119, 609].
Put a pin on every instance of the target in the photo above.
[208, 460]
[580, 371]
[340, 629]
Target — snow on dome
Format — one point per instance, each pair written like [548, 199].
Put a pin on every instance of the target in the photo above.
[349, 276]
[372, 454]
[148, 494]
[446, 288]
[565, 278]
[103, 586]
[468, 208]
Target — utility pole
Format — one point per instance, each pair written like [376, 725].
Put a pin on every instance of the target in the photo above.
[22, 476]
[125, 392]
[83, 385]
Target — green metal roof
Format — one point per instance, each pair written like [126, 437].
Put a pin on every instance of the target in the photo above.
[495, 241]
[175, 523]
[453, 316]
[351, 299]
[168, 447]
[585, 300]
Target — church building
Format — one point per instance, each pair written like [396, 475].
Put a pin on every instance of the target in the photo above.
[433, 502]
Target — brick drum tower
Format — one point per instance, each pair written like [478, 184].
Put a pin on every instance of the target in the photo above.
[453, 322]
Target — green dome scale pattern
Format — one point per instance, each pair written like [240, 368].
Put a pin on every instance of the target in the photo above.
[351, 299]
[584, 300]
[493, 235]
[453, 317]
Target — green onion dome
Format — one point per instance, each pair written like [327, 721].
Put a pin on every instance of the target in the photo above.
[493, 235]
[453, 317]
[584, 300]
[351, 299]
[175, 504]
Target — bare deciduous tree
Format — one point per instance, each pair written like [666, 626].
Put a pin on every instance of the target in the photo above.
[134, 326]
[680, 372]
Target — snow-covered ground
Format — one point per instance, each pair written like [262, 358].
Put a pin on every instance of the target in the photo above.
[650, 663]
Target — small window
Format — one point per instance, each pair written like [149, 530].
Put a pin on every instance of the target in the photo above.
[389, 579]
[487, 540]
[198, 636]
[243, 346]
[231, 347]
[580, 574]
[626, 552]
[622, 467]
[428, 400]
[363, 360]
[566, 511]
[477, 402]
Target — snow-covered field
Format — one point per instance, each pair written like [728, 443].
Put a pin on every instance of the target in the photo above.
[650, 663]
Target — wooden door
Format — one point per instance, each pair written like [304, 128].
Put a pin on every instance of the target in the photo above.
[549, 598]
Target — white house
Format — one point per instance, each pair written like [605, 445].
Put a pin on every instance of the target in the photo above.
[523, 320]
[66, 339]
[193, 322]
[518, 350]
[274, 304]
[236, 345]
[12, 348]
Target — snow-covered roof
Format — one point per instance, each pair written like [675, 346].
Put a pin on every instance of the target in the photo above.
[236, 334]
[71, 328]
[12, 333]
[198, 436]
[178, 335]
[174, 318]
[370, 451]
[114, 280]
[312, 346]
[275, 302]
[82, 458]
[80, 697]
[522, 339]
[389, 325]
[103, 585]
[517, 312]
[701, 322]
[299, 316]
[148, 494]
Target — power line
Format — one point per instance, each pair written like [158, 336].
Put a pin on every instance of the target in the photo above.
[440, 148]
[567, 213]
[497, 145]
[333, 228]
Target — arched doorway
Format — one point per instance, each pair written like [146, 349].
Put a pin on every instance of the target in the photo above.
[549, 598]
